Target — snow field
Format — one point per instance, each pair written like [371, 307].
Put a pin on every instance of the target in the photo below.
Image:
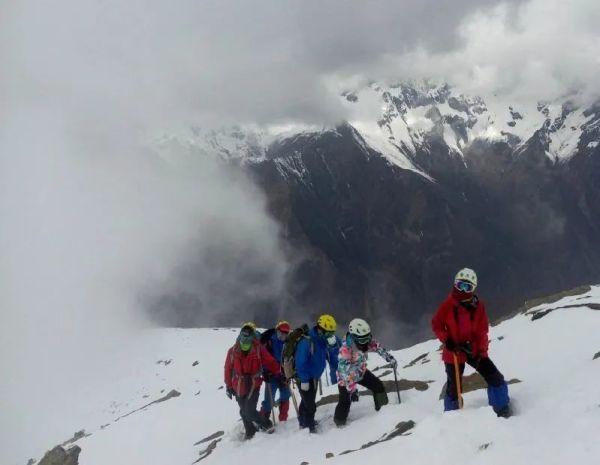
[557, 404]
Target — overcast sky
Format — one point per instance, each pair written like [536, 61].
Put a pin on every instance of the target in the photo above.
[267, 61]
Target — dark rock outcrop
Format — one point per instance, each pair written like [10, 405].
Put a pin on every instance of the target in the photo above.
[211, 437]
[61, 456]
[76, 437]
[401, 429]
[172, 394]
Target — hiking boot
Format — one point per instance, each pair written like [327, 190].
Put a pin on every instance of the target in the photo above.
[503, 412]
[313, 426]
[380, 399]
[339, 422]
[267, 426]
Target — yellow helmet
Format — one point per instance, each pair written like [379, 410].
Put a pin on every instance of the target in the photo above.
[249, 324]
[327, 322]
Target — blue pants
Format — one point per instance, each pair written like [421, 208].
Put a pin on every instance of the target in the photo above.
[284, 395]
[497, 389]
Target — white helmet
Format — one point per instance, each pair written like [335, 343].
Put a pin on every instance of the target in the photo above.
[466, 274]
[359, 327]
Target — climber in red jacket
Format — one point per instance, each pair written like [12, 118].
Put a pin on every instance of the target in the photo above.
[245, 364]
[461, 324]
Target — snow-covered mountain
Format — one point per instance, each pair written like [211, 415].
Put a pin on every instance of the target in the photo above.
[170, 407]
[398, 121]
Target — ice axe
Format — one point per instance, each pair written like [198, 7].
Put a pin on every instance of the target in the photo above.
[396, 381]
[291, 387]
[457, 380]
[270, 391]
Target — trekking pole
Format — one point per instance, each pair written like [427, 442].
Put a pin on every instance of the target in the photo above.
[457, 380]
[397, 386]
[270, 391]
[291, 386]
[320, 388]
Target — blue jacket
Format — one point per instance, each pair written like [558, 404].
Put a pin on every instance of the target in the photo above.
[312, 353]
[276, 347]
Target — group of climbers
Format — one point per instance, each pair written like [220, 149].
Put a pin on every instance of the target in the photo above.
[281, 356]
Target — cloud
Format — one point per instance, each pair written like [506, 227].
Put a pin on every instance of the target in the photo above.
[272, 62]
[522, 53]
[93, 217]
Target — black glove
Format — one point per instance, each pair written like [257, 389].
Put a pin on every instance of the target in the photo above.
[354, 396]
[230, 393]
[450, 345]
[466, 348]
[391, 360]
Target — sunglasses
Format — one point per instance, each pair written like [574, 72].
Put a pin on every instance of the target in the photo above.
[464, 286]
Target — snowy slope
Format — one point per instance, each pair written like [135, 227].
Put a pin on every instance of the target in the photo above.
[549, 348]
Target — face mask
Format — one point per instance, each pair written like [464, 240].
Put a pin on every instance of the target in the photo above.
[245, 346]
[332, 340]
[362, 347]
[282, 336]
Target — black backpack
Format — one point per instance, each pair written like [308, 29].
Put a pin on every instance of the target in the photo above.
[265, 339]
[289, 350]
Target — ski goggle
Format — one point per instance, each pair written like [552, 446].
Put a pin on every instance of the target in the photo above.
[464, 286]
[327, 334]
[246, 337]
[363, 340]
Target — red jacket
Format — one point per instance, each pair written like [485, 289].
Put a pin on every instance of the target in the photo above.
[243, 371]
[462, 323]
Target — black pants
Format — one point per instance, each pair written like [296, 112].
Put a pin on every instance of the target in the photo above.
[370, 381]
[484, 366]
[308, 406]
[249, 415]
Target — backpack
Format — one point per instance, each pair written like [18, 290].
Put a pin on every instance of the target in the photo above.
[289, 350]
[265, 339]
